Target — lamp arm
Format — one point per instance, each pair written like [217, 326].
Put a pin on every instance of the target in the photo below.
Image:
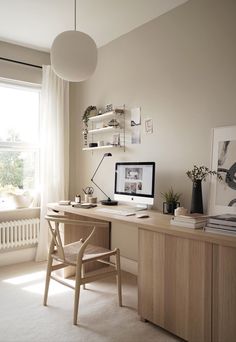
[97, 169]
[100, 189]
[105, 155]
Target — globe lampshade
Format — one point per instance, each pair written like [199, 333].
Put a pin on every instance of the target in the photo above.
[74, 56]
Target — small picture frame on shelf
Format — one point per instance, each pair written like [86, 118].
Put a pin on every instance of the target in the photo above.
[98, 125]
[116, 139]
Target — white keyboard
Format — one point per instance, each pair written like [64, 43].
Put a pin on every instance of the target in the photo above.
[120, 212]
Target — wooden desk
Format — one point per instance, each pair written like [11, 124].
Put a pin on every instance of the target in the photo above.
[186, 277]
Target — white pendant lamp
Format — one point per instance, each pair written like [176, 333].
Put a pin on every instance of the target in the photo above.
[74, 55]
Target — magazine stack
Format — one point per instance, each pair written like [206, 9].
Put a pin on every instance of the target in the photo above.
[195, 221]
[222, 224]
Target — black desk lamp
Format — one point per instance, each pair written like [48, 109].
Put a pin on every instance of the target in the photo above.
[108, 201]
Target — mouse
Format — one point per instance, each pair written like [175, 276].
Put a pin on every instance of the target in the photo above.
[142, 216]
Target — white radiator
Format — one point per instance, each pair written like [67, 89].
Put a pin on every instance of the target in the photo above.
[19, 233]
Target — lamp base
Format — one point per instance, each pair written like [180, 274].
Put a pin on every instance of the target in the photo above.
[109, 202]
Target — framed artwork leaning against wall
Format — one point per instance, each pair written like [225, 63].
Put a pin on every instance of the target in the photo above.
[223, 193]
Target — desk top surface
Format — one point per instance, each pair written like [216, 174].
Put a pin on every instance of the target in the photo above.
[156, 221]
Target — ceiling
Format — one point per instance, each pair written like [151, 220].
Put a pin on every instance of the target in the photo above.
[35, 23]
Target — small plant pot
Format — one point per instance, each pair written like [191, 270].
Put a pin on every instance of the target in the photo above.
[169, 207]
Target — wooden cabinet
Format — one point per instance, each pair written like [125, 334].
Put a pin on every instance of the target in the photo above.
[224, 294]
[188, 286]
[175, 284]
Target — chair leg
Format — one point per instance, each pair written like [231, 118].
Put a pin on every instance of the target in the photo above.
[77, 293]
[118, 277]
[83, 274]
[48, 277]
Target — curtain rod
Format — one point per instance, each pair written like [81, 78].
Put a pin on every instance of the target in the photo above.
[19, 62]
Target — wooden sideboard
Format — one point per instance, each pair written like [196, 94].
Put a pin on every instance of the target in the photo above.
[188, 286]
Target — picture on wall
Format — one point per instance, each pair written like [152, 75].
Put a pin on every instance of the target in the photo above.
[148, 126]
[135, 124]
[223, 193]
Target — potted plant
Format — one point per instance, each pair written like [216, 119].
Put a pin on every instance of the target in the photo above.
[171, 201]
[197, 175]
[89, 111]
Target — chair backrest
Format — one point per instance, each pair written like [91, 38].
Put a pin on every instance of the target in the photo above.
[54, 222]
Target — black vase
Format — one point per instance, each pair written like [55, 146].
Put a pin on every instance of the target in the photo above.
[196, 203]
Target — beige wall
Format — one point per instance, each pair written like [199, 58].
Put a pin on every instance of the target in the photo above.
[180, 68]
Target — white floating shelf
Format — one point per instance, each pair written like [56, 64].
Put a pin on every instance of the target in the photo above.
[103, 129]
[103, 116]
[100, 147]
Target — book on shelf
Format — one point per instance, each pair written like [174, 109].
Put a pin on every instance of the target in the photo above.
[220, 226]
[189, 224]
[220, 231]
[225, 219]
[193, 218]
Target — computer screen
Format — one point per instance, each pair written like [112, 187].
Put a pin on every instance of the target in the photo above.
[134, 182]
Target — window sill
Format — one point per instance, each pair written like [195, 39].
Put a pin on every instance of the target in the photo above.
[18, 214]
[18, 210]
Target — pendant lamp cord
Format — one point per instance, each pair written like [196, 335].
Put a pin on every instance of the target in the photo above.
[75, 15]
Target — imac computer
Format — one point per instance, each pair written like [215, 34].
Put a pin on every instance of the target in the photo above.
[135, 183]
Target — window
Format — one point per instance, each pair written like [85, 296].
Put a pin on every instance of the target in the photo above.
[19, 140]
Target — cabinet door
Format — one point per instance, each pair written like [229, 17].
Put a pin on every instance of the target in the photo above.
[175, 284]
[224, 294]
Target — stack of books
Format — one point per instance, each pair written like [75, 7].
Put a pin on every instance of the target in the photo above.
[222, 224]
[195, 221]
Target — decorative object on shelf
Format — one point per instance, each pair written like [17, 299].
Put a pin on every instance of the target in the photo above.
[109, 108]
[120, 110]
[113, 123]
[100, 143]
[108, 201]
[93, 144]
[74, 54]
[116, 139]
[197, 175]
[171, 201]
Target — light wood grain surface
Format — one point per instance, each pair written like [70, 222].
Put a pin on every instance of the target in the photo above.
[156, 222]
[224, 294]
[175, 284]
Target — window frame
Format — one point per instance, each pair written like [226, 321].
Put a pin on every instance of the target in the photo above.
[6, 146]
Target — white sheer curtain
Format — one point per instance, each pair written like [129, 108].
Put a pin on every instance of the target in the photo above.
[54, 155]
